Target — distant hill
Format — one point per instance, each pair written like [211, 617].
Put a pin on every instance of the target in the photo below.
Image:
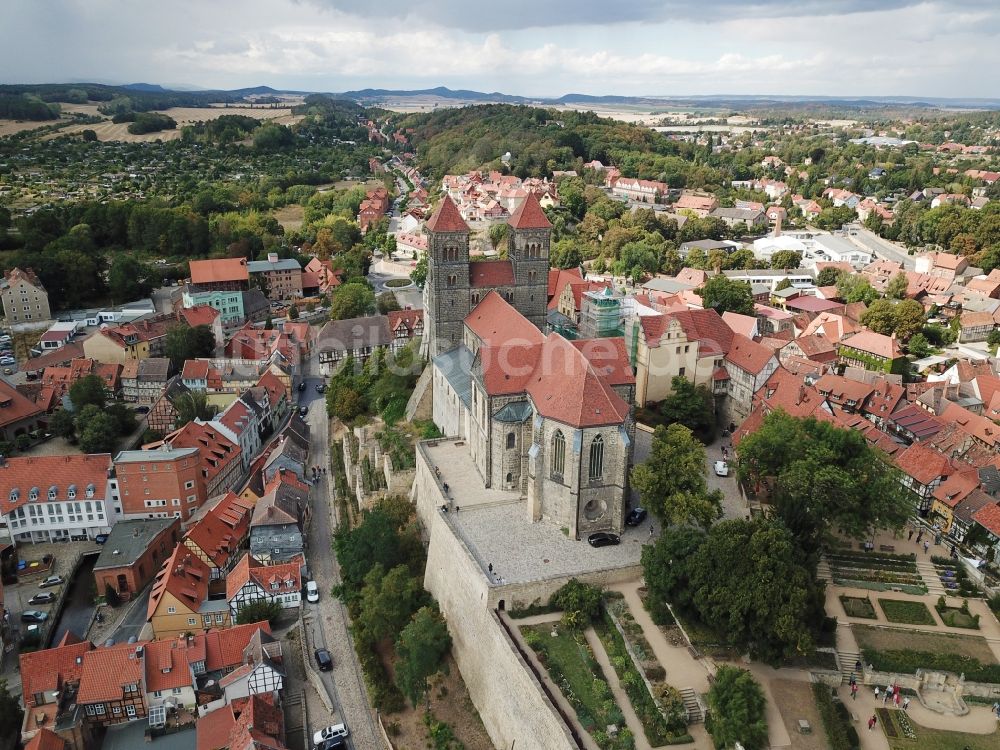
[147, 87]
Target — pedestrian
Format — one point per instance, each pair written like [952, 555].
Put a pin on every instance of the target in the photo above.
[857, 665]
[876, 692]
[920, 536]
[910, 539]
[490, 567]
[871, 722]
[906, 703]
[650, 531]
[927, 546]
[854, 691]
[874, 719]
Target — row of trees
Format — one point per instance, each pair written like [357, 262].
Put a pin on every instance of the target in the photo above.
[381, 562]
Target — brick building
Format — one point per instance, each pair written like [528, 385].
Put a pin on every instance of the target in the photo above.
[161, 483]
[134, 552]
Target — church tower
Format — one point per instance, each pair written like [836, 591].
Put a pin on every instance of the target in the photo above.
[446, 291]
[528, 250]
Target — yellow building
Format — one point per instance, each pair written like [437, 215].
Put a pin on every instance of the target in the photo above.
[949, 494]
[687, 343]
[181, 600]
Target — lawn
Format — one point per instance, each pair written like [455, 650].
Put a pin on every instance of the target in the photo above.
[895, 725]
[899, 639]
[572, 667]
[855, 606]
[911, 613]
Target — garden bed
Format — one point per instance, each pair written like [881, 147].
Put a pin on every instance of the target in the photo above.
[905, 734]
[660, 729]
[571, 665]
[876, 570]
[903, 611]
[855, 606]
[957, 617]
[954, 578]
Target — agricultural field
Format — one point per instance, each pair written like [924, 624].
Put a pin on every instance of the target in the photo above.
[109, 131]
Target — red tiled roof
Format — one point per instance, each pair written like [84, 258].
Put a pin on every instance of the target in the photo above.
[841, 390]
[287, 575]
[748, 355]
[107, 670]
[744, 325]
[214, 728]
[568, 390]
[560, 277]
[224, 648]
[215, 449]
[219, 532]
[447, 218]
[989, 518]
[494, 321]
[199, 315]
[50, 669]
[955, 488]
[529, 215]
[167, 664]
[14, 407]
[874, 343]
[408, 318]
[259, 726]
[195, 369]
[219, 269]
[185, 576]
[609, 359]
[46, 739]
[923, 464]
[491, 274]
[46, 472]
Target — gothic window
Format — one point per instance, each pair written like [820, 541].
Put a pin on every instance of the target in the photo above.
[532, 275]
[475, 298]
[510, 440]
[452, 279]
[597, 458]
[558, 454]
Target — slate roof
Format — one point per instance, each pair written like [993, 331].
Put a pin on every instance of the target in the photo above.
[129, 539]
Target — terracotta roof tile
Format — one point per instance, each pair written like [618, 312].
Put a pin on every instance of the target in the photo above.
[529, 215]
[219, 270]
[107, 670]
[50, 669]
[748, 355]
[989, 518]
[46, 739]
[287, 575]
[491, 274]
[447, 218]
[43, 473]
[923, 464]
[14, 407]
[224, 648]
[495, 321]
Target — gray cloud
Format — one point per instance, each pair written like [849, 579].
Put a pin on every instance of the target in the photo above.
[470, 15]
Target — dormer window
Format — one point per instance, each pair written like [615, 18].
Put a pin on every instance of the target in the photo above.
[90, 490]
[33, 494]
[14, 495]
[71, 492]
[53, 491]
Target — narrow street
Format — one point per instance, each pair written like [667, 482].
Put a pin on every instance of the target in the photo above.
[327, 620]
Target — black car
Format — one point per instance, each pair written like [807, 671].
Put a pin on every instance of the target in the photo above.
[334, 743]
[303, 410]
[635, 517]
[324, 660]
[101, 538]
[320, 387]
[603, 539]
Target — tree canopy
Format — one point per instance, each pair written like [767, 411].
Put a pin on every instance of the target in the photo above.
[725, 295]
[352, 300]
[671, 482]
[737, 710]
[823, 477]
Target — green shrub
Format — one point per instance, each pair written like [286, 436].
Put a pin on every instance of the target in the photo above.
[836, 720]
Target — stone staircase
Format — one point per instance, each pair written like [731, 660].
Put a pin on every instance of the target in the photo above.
[848, 661]
[931, 579]
[692, 704]
[823, 570]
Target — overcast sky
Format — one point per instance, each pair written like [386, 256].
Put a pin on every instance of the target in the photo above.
[528, 47]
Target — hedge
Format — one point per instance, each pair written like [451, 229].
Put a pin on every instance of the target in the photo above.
[836, 720]
[908, 662]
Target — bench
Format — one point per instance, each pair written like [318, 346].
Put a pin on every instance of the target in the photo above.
[886, 548]
[854, 717]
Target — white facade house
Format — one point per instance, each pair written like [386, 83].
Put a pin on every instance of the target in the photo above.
[58, 498]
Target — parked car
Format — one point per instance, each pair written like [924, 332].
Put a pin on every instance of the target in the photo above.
[46, 597]
[33, 615]
[334, 743]
[303, 410]
[101, 538]
[141, 409]
[8, 371]
[52, 581]
[323, 660]
[337, 730]
[312, 591]
[8, 361]
[721, 469]
[320, 387]
[635, 517]
[603, 539]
